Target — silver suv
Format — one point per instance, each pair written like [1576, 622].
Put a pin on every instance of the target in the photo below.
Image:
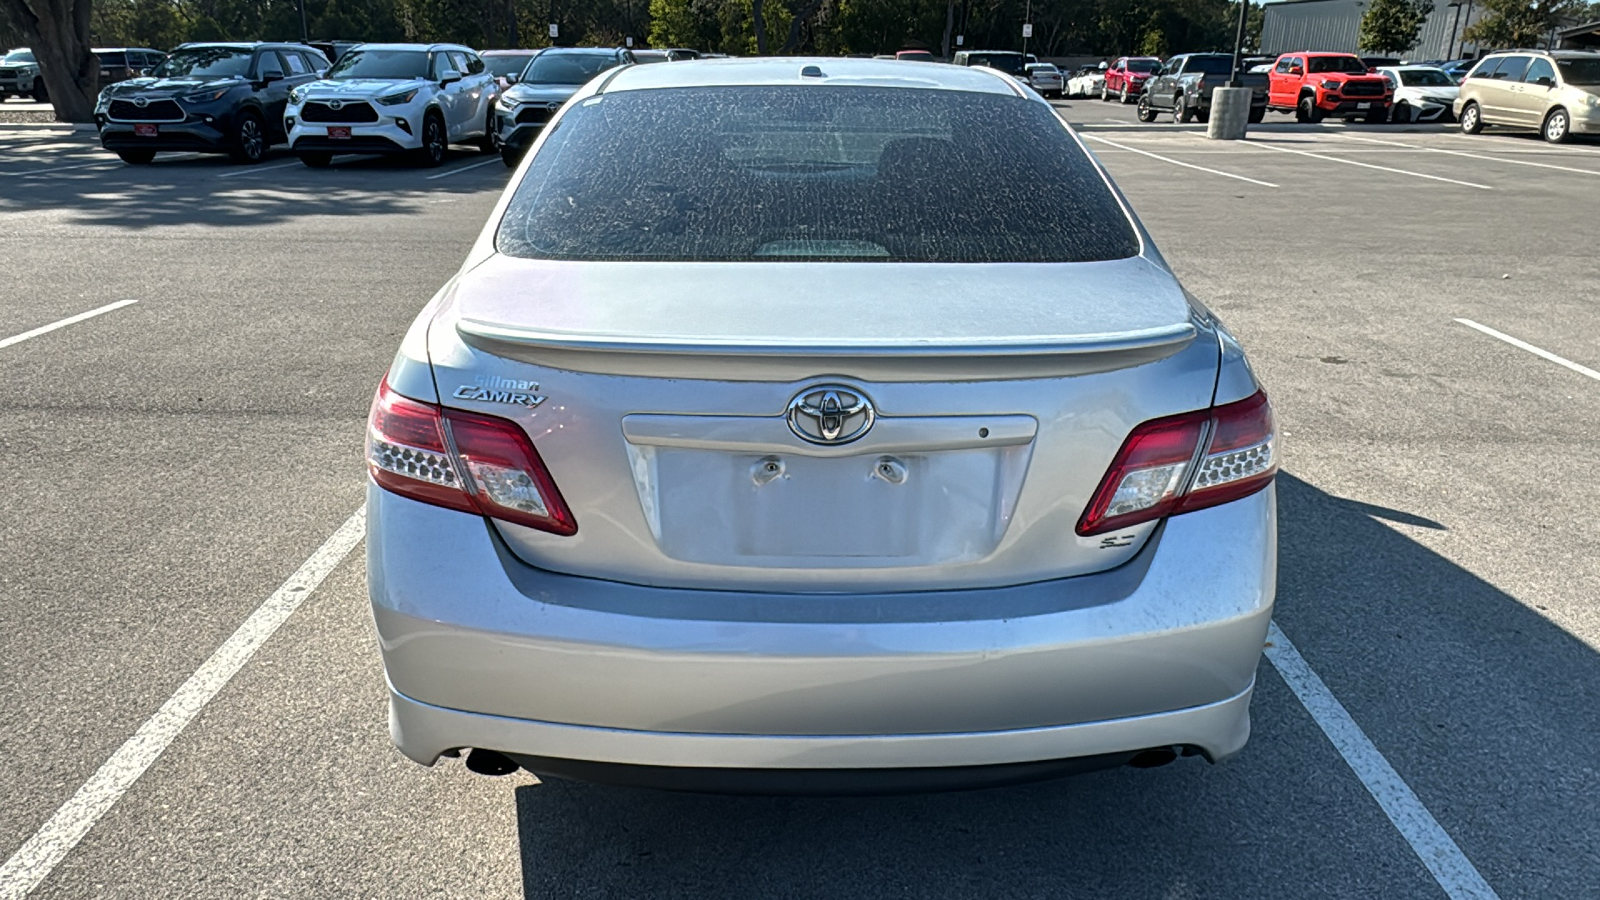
[19, 76]
[1557, 92]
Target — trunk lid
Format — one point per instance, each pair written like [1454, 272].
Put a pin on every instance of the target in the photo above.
[682, 409]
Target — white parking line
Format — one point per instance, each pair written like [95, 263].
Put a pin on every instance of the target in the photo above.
[1498, 159]
[1448, 865]
[1352, 162]
[254, 169]
[69, 320]
[104, 162]
[1524, 345]
[37, 858]
[1177, 162]
[464, 169]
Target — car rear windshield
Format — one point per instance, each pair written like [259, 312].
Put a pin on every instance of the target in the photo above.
[823, 172]
[206, 62]
[1579, 71]
[1349, 65]
[566, 68]
[1010, 63]
[1210, 65]
[393, 65]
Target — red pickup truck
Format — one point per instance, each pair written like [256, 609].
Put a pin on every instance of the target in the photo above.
[1126, 77]
[1317, 85]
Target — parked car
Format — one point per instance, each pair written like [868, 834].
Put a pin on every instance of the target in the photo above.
[1557, 92]
[1313, 86]
[916, 56]
[1046, 79]
[813, 511]
[506, 65]
[1183, 86]
[1087, 82]
[1008, 61]
[1421, 93]
[19, 77]
[206, 98]
[1125, 78]
[394, 98]
[1458, 69]
[122, 63]
[553, 75]
[651, 56]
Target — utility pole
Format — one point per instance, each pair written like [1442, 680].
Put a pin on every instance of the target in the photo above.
[303, 35]
[1450, 48]
[1027, 31]
[511, 13]
[1238, 44]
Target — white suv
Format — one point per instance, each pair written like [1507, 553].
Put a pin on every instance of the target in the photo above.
[394, 98]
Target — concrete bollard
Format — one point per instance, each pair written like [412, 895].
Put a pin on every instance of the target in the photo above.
[1230, 113]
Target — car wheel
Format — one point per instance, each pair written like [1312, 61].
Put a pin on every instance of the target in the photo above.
[510, 155]
[1181, 113]
[434, 142]
[136, 157]
[1471, 119]
[249, 139]
[1401, 113]
[1105, 92]
[1557, 126]
[1257, 114]
[40, 95]
[1123, 99]
[1307, 111]
[317, 160]
[1146, 114]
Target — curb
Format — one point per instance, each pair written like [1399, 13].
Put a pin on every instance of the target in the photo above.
[48, 126]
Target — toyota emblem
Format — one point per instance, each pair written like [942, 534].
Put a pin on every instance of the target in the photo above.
[830, 414]
[336, 104]
[141, 102]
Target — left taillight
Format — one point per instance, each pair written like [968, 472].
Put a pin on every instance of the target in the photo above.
[462, 461]
[1186, 462]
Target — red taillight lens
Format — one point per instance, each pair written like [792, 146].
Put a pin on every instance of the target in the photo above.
[1158, 472]
[462, 461]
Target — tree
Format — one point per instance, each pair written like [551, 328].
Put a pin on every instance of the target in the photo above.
[1520, 23]
[58, 33]
[1391, 26]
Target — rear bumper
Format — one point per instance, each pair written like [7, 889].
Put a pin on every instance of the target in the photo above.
[482, 650]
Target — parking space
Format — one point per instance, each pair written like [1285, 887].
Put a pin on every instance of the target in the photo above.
[190, 451]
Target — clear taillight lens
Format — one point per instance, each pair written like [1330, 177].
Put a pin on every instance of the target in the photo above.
[1162, 469]
[462, 461]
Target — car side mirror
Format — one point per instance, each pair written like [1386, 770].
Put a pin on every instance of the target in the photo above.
[1296, 70]
[511, 79]
[1545, 81]
[449, 78]
[270, 77]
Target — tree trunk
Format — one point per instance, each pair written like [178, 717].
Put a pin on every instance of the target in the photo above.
[949, 25]
[759, 21]
[58, 33]
[793, 42]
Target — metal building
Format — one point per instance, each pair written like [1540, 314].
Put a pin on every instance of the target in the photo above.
[1333, 25]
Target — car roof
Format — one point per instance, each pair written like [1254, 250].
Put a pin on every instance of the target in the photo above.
[417, 47]
[772, 71]
[1413, 67]
[583, 51]
[507, 52]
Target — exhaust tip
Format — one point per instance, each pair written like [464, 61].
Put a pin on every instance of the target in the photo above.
[488, 762]
[1145, 759]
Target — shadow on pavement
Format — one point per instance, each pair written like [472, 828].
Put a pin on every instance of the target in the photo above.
[189, 192]
[1487, 709]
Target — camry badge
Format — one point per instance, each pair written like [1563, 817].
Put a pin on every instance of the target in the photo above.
[494, 389]
[830, 414]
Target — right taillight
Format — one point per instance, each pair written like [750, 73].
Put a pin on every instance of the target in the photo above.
[1185, 462]
[462, 461]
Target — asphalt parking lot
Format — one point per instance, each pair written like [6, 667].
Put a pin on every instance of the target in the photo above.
[186, 460]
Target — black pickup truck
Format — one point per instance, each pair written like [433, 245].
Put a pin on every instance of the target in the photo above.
[1183, 87]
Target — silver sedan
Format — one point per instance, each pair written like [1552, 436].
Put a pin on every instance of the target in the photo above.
[812, 425]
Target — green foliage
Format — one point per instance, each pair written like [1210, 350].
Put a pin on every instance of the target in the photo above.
[1523, 23]
[1391, 26]
[1154, 43]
